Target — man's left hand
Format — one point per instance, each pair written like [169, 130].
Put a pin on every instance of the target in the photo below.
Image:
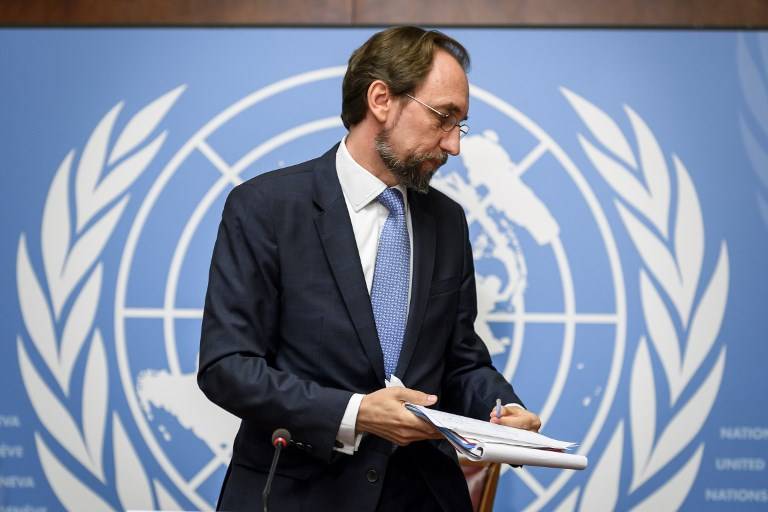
[518, 417]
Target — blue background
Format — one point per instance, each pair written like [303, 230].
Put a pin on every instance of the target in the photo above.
[56, 84]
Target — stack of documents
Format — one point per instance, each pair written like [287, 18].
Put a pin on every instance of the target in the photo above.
[486, 441]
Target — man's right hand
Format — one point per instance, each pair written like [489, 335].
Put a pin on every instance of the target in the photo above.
[383, 413]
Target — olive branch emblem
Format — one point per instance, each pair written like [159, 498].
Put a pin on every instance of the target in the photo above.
[683, 311]
[59, 307]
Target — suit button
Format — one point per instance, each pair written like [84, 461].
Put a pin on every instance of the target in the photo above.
[372, 475]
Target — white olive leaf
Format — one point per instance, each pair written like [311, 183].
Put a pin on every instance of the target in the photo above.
[53, 415]
[68, 488]
[685, 425]
[55, 231]
[672, 493]
[758, 156]
[95, 394]
[569, 503]
[143, 123]
[654, 254]
[663, 335]
[164, 499]
[91, 166]
[35, 311]
[123, 176]
[133, 488]
[78, 325]
[655, 172]
[642, 409]
[689, 239]
[602, 489]
[88, 248]
[752, 86]
[708, 318]
[626, 185]
[602, 127]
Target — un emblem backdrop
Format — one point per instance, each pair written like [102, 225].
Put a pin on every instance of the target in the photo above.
[616, 188]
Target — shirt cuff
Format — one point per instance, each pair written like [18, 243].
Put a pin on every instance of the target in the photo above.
[347, 440]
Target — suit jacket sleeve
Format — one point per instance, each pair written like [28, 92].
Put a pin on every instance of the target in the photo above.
[471, 384]
[240, 332]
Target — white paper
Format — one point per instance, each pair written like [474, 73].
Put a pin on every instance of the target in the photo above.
[487, 431]
[521, 456]
[490, 442]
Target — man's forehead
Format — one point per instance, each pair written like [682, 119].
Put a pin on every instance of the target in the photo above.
[446, 86]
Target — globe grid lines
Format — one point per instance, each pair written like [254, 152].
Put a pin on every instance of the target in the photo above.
[226, 170]
[530, 158]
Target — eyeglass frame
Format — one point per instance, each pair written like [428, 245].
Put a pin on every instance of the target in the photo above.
[446, 118]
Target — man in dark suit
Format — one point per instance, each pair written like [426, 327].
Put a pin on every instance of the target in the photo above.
[341, 288]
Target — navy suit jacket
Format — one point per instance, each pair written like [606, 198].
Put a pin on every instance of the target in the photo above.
[288, 335]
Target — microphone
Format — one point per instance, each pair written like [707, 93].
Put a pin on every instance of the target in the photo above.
[280, 439]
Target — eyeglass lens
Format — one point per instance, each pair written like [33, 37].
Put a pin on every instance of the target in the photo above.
[450, 122]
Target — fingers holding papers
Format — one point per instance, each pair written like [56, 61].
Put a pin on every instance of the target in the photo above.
[514, 416]
[383, 413]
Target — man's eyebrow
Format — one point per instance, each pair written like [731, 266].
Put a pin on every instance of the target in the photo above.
[452, 108]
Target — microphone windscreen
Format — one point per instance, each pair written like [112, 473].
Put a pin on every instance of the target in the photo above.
[281, 432]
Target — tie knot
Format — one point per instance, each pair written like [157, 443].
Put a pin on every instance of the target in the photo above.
[393, 200]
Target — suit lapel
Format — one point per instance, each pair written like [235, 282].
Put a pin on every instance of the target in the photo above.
[423, 224]
[338, 240]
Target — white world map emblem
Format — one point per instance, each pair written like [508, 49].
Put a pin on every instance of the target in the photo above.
[552, 304]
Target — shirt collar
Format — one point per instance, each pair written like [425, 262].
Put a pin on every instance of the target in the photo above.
[359, 186]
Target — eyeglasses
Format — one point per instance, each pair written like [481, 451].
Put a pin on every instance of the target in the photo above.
[447, 121]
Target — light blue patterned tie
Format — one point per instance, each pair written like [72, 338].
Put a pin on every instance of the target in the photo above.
[389, 293]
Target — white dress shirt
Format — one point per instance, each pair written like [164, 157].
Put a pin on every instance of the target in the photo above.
[360, 189]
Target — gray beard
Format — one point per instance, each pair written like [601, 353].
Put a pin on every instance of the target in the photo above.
[407, 171]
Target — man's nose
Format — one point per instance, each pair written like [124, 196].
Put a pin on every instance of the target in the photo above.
[450, 142]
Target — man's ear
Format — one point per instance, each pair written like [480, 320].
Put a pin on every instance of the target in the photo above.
[380, 100]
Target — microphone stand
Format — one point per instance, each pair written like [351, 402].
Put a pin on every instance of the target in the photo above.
[280, 439]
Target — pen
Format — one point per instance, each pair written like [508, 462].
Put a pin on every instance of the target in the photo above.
[498, 407]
